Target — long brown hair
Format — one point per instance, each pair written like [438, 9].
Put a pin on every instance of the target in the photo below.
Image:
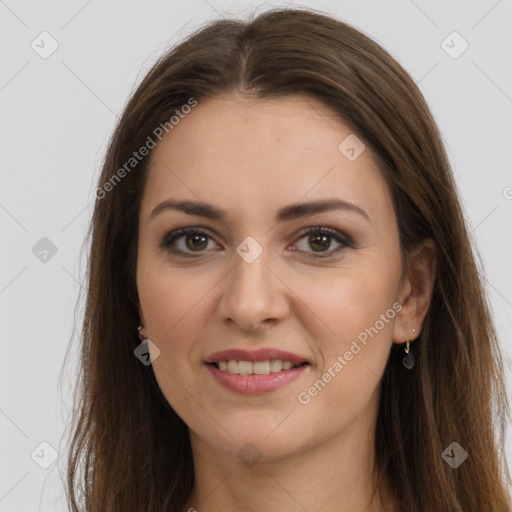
[129, 450]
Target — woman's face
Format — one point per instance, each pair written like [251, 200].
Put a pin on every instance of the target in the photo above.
[250, 278]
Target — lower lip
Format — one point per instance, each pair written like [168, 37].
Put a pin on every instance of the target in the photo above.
[252, 385]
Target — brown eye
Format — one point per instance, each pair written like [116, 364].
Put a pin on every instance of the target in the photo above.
[322, 242]
[319, 240]
[196, 242]
[186, 241]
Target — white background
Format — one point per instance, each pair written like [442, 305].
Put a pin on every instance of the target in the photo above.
[57, 114]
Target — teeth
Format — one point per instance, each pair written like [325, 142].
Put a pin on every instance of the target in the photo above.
[244, 367]
[261, 367]
[257, 368]
[276, 365]
[232, 367]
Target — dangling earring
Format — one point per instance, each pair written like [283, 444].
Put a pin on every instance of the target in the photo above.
[408, 360]
[139, 329]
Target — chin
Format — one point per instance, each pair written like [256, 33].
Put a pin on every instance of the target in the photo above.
[257, 439]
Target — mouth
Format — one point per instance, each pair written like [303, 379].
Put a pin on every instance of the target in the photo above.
[255, 372]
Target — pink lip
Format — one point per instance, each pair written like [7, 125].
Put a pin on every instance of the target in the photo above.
[252, 385]
[263, 354]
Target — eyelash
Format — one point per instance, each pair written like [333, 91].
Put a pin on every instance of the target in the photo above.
[345, 241]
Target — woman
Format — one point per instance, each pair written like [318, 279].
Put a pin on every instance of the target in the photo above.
[283, 309]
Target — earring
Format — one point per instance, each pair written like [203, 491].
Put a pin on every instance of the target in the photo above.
[408, 360]
[147, 351]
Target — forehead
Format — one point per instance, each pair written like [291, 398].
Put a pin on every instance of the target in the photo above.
[252, 153]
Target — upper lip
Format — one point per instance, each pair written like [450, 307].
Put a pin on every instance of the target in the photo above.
[263, 354]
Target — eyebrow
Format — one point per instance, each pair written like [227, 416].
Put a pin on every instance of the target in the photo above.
[289, 212]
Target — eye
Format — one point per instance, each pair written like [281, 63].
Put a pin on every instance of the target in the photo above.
[186, 241]
[321, 238]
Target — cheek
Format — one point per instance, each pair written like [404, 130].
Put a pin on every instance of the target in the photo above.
[172, 300]
[343, 302]
[358, 308]
[174, 306]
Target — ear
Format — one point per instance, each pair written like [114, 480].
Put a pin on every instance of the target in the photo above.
[416, 291]
[141, 314]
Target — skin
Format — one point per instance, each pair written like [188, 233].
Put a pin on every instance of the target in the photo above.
[251, 158]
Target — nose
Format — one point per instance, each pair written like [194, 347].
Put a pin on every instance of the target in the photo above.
[254, 297]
